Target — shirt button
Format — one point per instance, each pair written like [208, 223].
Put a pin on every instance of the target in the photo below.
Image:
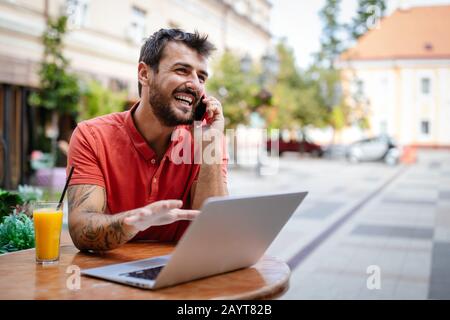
[154, 180]
[153, 161]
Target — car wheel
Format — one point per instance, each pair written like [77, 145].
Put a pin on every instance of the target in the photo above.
[315, 154]
[391, 161]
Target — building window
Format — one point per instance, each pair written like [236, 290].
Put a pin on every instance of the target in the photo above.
[137, 30]
[425, 85]
[425, 128]
[76, 11]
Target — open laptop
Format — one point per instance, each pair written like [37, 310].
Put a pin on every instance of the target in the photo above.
[231, 233]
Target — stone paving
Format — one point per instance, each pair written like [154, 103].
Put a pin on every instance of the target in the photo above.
[365, 231]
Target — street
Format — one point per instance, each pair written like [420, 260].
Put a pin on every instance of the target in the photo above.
[365, 231]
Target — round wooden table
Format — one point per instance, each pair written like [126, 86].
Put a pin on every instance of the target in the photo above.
[22, 278]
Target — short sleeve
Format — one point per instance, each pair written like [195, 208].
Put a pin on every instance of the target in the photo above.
[83, 156]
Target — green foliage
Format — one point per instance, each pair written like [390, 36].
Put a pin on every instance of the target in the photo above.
[326, 75]
[364, 123]
[98, 100]
[13, 200]
[296, 96]
[329, 81]
[330, 42]
[365, 16]
[58, 89]
[337, 118]
[8, 201]
[288, 72]
[236, 90]
[16, 226]
[16, 233]
[299, 98]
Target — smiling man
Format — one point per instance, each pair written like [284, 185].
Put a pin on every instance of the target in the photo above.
[128, 183]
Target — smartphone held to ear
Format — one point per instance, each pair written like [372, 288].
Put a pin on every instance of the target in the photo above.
[200, 110]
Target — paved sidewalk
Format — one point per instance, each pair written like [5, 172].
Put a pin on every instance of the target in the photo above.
[393, 220]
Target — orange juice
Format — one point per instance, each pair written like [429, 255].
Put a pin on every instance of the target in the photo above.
[47, 232]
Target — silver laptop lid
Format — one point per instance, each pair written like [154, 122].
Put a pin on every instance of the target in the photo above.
[231, 233]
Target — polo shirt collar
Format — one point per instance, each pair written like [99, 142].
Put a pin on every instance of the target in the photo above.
[138, 140]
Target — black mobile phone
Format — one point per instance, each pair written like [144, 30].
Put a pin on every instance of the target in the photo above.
[200, 110]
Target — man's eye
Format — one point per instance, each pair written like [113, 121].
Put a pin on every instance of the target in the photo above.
[181, 70]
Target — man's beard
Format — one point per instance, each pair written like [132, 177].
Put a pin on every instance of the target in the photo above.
[165, 111]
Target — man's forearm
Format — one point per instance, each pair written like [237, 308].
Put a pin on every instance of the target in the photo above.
[210, 183]
[100, 231]
[210, 180]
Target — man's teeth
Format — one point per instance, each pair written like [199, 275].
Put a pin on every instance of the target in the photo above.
[186, 99]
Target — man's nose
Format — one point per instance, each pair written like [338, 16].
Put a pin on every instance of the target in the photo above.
[195, 86]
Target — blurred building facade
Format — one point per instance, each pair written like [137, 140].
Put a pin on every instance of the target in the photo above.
[399, 73]
[103, 43]
[105, 36]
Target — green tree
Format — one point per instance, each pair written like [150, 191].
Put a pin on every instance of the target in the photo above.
[237, 90]
[296, 95]
[328, 77]
[337, 110]
[330, 41]
[58, 90]
[98, 100]
[366, 17]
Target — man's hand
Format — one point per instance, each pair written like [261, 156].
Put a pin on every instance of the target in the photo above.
[215, 119]
[158, 213]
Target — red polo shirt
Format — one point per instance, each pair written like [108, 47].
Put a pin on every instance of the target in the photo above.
[110, 152]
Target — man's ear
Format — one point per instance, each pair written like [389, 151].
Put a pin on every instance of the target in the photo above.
[144, 74]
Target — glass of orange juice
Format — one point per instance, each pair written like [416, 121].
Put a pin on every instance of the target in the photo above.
[47, 231]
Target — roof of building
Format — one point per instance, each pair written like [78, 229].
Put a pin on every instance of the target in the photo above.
[415, 33]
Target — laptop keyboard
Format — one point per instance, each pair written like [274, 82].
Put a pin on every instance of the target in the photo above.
[147, 274]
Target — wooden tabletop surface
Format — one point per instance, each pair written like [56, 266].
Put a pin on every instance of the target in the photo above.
[22, 278]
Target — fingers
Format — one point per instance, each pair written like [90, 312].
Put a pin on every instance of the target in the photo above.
[165, 205]
[180, 214]
[146, 218]
[159, 213]
[213, 106]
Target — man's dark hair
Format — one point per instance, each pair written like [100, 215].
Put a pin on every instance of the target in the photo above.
[153, 47]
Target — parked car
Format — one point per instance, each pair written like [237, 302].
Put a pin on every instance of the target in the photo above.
[303, 146]
[380, 148]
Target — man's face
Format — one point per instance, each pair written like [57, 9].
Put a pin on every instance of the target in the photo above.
[176, 89]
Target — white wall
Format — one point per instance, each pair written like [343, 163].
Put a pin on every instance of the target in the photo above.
[394, 91]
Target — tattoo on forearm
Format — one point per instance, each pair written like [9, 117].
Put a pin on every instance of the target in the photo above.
[78, 195]
[91, 228]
